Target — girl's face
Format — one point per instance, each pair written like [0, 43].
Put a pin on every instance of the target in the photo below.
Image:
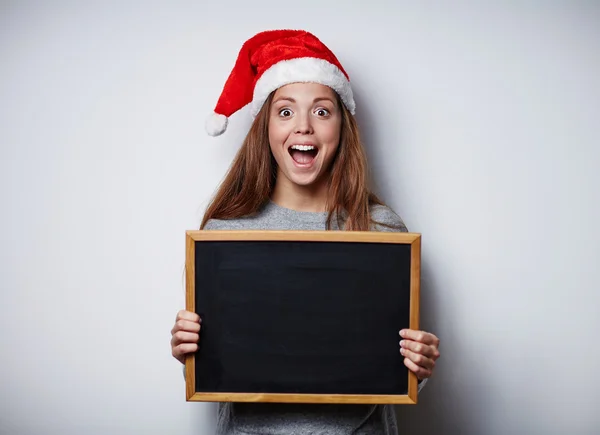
[304, 131]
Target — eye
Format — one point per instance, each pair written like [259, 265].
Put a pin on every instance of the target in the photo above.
[322, 112]
[285, 113]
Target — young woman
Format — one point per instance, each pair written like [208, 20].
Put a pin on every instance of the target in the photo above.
[301, 167]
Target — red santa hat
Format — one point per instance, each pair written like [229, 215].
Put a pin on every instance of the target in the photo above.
[272, 59]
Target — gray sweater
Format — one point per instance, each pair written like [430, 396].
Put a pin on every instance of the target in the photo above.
[304, 419]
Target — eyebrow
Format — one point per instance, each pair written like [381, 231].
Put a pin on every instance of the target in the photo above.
[314, 101]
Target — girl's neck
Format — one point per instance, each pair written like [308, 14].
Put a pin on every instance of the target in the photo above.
[311, 198]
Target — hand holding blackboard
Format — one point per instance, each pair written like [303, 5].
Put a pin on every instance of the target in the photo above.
[185, 334]
[420, 350]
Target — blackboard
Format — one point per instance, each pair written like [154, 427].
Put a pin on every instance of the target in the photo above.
[302, 316]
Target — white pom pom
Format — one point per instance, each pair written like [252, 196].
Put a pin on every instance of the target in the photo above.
[216, 124]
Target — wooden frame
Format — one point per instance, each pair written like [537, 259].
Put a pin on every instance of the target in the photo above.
[412, 239]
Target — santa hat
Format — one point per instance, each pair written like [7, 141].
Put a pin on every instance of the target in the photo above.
[272, 59]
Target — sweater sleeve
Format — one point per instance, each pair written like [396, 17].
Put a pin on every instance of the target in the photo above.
[385, 219]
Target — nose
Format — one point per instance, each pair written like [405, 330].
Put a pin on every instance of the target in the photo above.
[303, 124]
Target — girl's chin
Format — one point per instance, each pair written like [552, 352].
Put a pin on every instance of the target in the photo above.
[304, 180]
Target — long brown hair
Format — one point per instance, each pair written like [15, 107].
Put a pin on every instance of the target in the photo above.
[249, 183]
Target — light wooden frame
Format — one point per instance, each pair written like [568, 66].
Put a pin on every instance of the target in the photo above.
[413, 239]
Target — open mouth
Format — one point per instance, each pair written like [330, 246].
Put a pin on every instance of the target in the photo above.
[303, 154]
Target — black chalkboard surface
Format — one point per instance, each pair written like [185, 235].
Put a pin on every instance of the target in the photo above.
[302, 316]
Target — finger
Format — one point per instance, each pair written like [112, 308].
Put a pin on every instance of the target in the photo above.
[418, 359]
[421, 372]
[183, 349]
[184, 337]
[420, 336]
[188, 315]
[423, 349]
[185, 325]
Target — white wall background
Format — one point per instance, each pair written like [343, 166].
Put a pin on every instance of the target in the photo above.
[481, 120]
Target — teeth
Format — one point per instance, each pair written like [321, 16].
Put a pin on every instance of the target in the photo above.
[303, 147]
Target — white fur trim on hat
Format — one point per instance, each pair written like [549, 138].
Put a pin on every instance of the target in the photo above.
[307, 70]
[216, 124]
